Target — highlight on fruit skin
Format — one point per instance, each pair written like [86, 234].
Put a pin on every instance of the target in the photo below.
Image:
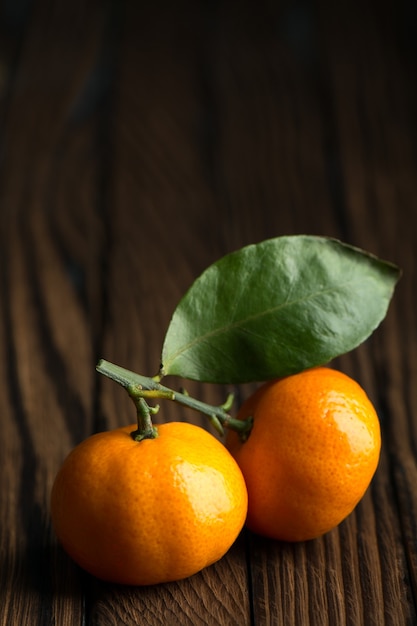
[148, 512]
[311, 455]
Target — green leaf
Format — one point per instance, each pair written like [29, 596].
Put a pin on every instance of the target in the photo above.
[275, 308]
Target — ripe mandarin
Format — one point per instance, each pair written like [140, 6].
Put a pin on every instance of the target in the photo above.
[312, 452]
[147, 512]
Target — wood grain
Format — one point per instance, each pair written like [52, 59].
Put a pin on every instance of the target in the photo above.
[139, 144]
[47, 407]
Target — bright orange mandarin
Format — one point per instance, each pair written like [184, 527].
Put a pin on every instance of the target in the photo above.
[311, 454]
[147, 512]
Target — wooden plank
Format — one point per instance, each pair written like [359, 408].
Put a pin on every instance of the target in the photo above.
[164, 231]
[374, 100]
[273, 170]
[270, 166]
[255, 118]
[224, 130]
[46, 352]
[357, 579]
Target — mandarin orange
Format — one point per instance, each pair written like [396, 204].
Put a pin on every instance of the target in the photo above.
[312, 452]
[148, 512]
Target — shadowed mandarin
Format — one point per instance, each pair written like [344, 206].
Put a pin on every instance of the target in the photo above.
[311, 454]
[147, 512]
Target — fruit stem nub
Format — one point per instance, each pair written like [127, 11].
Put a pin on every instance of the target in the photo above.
[145, 430]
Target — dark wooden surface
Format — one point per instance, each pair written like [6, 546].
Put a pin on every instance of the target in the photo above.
[138, 145]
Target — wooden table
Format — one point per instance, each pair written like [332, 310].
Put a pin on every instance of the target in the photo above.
[138, 145]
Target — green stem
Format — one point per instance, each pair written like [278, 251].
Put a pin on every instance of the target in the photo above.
[143, 388]
[146, 429]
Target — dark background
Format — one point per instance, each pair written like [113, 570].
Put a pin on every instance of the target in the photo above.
[139, 142]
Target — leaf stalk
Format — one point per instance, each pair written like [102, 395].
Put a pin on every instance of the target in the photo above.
[141, 388]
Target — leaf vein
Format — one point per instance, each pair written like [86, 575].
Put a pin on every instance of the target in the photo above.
[265, 312]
